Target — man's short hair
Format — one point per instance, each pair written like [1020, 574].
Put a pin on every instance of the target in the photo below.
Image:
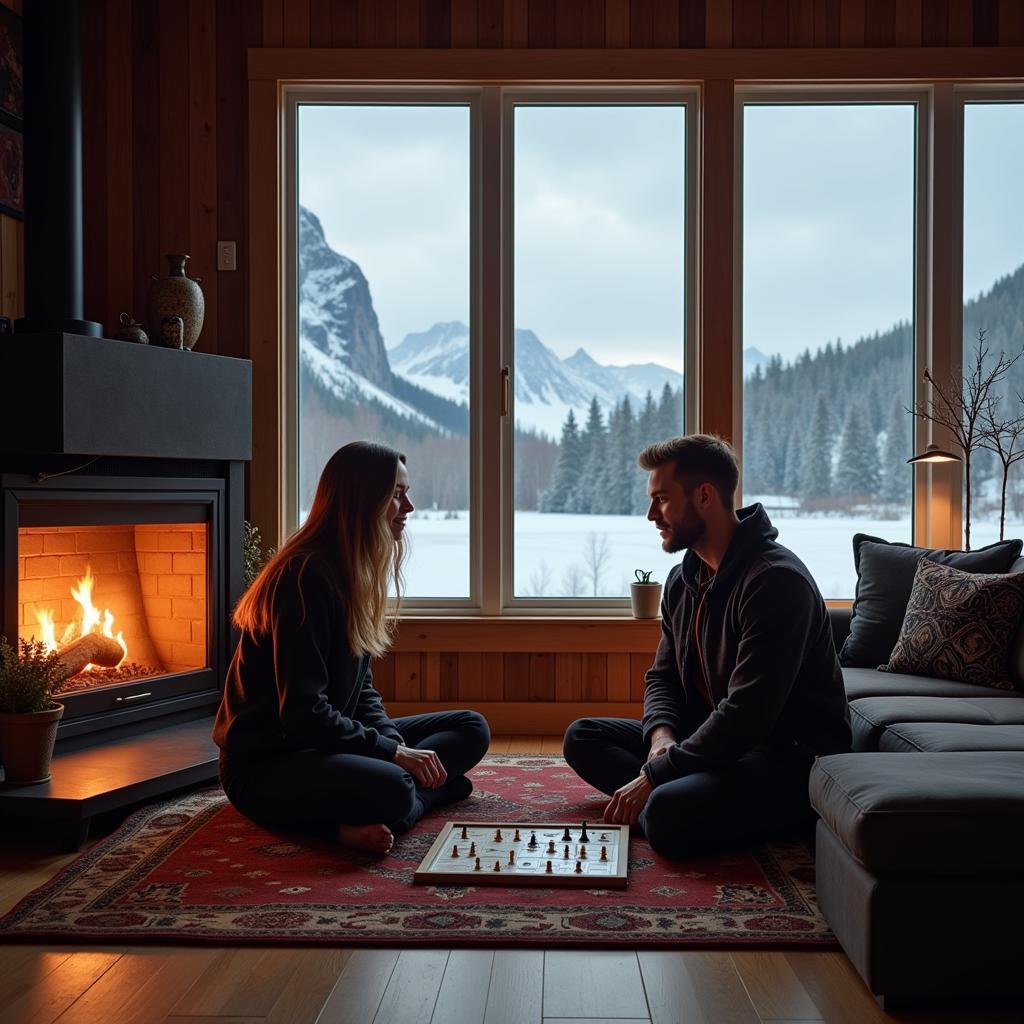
[698, 458]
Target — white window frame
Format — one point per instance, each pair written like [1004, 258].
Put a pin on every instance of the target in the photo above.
[491, 540]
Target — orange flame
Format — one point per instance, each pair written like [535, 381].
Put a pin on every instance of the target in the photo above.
[93, 621]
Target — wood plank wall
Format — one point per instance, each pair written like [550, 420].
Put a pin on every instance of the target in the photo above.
[165, 142]
[12, 247]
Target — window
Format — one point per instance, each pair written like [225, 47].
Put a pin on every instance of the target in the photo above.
[394, 338]
[828, 314]
[993, 288]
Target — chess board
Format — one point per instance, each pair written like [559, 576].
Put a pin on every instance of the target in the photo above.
[563, 854]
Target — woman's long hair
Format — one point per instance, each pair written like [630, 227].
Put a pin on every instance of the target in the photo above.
[347, 532]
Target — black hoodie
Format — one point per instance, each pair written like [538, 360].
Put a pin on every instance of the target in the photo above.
[767, 650]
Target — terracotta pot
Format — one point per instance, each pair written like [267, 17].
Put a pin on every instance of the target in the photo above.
[26, 745]
[646, 600]
[176, 295]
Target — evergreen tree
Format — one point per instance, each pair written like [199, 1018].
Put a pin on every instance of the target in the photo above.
[857, 473]
[670, 413]
[816, 469]
[792, 481]
[897, 476]
[587, 497]
[566, 475]
[620, 478]
[645, 435]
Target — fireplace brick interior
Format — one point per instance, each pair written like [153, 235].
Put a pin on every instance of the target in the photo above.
[152, 577]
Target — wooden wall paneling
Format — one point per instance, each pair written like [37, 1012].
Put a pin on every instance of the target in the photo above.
[542, 23]
[618, 677]
[436, 23]
[746, 23]
[986, 23]
[880, 22]
[641, 24]
[407, 23]
[569, 23]
[296, 26]
[118, 258]
[385, 23]
[616, 24]
[431, 664]
[11, 290]
[595, 676]
[1011, 23]
[146, 150]
[408, 677]
[449, 675]
[94, 61]
[801, 22]
[718, 22]
[384, 676]
[775, 23]
[530, 718]
[471, 676]
[173, 145]
[828, 19]
[961, 22]
[490, 24]
[320, 31]
[638, 666]
[592, 29]
[494, 675]
[528, 635]
[934, 22]
[542, 677]
[908, 23]
[273, 22]
[692, 24]
[851, 23]
[344, 23]
[516, 18]
[463, 23]
[665, 23]
[516, 677]
[202, 159]
[569, 676]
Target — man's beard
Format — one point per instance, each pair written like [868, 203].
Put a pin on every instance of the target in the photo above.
[685, 535]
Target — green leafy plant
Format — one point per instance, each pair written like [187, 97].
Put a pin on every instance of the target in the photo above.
[644, 575]
[29, 677]
[254, 557]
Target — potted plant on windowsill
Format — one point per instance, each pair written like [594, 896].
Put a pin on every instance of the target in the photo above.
[645, 595]
[29, 677]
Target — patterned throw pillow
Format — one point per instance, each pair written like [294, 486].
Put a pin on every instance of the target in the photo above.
[960, 625]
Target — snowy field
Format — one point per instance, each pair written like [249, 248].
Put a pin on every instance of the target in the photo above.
[559, 555]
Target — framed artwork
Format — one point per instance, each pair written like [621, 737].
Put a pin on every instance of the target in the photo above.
[12, 194]
[12, 100]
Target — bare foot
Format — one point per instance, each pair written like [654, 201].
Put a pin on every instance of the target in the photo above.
[375, 838]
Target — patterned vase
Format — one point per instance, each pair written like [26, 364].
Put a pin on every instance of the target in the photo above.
[177, 295]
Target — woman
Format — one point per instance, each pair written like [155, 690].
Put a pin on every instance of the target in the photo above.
[305, 740]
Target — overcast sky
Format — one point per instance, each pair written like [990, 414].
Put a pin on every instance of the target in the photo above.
[599, 201]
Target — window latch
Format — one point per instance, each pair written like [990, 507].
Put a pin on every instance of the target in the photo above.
[506, 380]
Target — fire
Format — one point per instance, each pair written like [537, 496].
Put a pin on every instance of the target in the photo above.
[92, 620]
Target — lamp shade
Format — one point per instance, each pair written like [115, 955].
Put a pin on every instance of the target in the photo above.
[933, 453]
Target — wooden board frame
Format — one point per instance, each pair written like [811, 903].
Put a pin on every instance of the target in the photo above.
[619, 880]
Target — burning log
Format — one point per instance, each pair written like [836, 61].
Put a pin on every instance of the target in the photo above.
[91, 649]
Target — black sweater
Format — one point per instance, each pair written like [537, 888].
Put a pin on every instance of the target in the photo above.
[767, 648]
[300, 686]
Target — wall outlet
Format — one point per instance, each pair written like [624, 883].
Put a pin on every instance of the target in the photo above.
[226, 256]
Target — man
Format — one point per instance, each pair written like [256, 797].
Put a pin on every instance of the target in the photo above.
[745, 689]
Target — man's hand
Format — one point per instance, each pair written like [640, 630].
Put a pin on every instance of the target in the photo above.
[423, 765]
[661, 739]
[628, 801]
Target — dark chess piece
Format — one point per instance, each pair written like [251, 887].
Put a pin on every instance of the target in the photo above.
[566, 837]
[584, 838]
[579, 868]
[533, 839]
[465, 834]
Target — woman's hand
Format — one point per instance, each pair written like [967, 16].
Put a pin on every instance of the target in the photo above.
[423, 765]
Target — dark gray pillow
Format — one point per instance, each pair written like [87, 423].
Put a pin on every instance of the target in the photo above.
[885, 578]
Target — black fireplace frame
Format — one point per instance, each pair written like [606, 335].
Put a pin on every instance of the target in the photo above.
[117, 500]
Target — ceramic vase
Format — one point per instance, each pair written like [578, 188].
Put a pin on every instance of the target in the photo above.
[26, 745]
[177, 295]
[645, 599]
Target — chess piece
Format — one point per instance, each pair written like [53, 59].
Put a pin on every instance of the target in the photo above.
[476, 866]
[551, 846]
[515, 838]
[497, 835]
[548, 870]
[497, 865]
[566, 838]
[584, 838]
[472, 849]
[566, 853]
[583, 853]
[533, 839]
[455, 851]
[511, 858]
[604, 853]
[465, 834]
[579, 868]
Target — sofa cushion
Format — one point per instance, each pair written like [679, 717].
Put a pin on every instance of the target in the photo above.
[960, 625]
[885, 578]
[957, 814]
[869, 682]
[870, 716]
[914, 737]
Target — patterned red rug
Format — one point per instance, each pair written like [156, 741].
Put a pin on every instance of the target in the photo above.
[194, 870]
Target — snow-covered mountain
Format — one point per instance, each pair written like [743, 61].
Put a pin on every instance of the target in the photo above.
[546, 387]
[340, 344]
[752, 358]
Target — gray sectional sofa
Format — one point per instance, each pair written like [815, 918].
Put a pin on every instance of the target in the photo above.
[920, 838]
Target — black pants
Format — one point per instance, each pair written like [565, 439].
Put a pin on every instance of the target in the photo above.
[315, 791]
[761, 796]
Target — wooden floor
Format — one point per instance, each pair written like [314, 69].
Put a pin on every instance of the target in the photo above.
[181, 985]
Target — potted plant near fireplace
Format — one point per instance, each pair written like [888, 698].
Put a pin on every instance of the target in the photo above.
[29, 677]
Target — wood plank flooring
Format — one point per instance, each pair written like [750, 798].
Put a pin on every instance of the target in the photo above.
[181, 985]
